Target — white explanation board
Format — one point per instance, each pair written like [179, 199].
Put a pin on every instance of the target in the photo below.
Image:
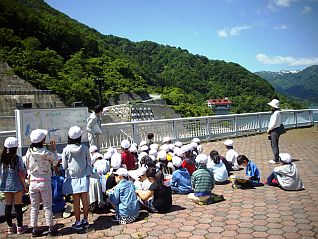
[56, 121]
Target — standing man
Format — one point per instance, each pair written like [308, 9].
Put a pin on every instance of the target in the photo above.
[94, 126]
[273, 125]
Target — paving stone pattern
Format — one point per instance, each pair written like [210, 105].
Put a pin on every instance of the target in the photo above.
[264, 212]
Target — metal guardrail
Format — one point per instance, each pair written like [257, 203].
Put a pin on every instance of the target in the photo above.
[206, 128]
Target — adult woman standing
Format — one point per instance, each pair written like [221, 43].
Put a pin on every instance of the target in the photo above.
[274, 129]
[93, 127]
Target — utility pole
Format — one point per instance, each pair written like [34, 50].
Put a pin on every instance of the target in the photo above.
[99, 81]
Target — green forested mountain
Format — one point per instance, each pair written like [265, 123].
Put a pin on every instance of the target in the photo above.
[53, 51]
[302, 84]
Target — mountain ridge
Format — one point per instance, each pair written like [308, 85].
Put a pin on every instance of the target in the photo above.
[302, 84]
[53, 51]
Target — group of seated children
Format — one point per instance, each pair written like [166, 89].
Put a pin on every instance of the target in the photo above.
[139, 177]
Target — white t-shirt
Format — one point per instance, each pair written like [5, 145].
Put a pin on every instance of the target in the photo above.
[219, 171]
[231, 157]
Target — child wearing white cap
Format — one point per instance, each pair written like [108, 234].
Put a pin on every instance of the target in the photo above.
[181, 179]
[231, 155]
[123, 198]
[126, 156]
[12, 183]
[202, 181]
[39, 161]
[286, 176]
[76, 162]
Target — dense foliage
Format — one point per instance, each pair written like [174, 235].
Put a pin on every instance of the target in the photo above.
[303, 85]
[52, 51]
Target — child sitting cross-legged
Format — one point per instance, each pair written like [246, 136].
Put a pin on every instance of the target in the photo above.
[181, 179]
[251, 171]
[123, 198]
[286, 176]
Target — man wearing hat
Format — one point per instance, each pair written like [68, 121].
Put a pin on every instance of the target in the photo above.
[273, 125]
[94, 126]
[202, 181]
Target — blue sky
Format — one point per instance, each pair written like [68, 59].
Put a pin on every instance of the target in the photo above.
[257, 34]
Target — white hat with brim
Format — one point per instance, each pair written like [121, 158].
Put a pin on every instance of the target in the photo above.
[115, 161]
[125, 144]
[38, 135]
[196, 140]
[75, 132]
[144, 148]
[154, 146]
[166, 140]
[121, 172]
[202, 159]
[229, 142]
[162, 155]
[285, 157]
[178, 144]
[141, 171]
[274, 103]
[93, 149]
[176, 161]
[11, 142]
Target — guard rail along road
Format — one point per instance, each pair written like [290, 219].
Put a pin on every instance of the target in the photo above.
[205, 128]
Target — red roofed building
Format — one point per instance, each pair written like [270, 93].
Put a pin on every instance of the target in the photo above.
[220, 106]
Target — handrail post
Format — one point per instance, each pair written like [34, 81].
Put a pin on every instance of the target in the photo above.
[295, 119]
[174, 130]
[259, 123]
[235, 125]
[208, 131]
[134, 131]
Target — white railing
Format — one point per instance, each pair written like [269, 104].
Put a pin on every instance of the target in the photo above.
[205, 128]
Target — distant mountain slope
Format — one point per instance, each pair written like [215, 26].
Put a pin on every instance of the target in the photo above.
[301, 84]
[53, 51]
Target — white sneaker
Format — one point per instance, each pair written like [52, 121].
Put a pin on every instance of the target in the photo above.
[273, 162]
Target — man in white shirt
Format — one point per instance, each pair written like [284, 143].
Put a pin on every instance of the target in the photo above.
[93, 127]
[274, 123]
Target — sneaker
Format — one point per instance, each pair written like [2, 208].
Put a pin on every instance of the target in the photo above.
[12, 230]
[21, 230]
[273, 161]
[115, 219]
[85, 223]
[36, 233]
[275, 181]
[236, 186]
[77, 226]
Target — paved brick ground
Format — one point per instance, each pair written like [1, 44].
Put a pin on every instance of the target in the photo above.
[264, 212]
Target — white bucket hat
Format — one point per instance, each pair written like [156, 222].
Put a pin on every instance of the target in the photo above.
[125, 144]
[178, 144]
[274, 103]
[229, 142]
[75, 132]
[115, 161]
[176, 161]
[196, 140]
[285, 157]
[201, 158]
[166, 140]
[11, 142]
[93, 149]
[121, 172]
[38, 135]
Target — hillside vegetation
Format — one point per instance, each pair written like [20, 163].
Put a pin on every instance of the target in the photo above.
[53, 51]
